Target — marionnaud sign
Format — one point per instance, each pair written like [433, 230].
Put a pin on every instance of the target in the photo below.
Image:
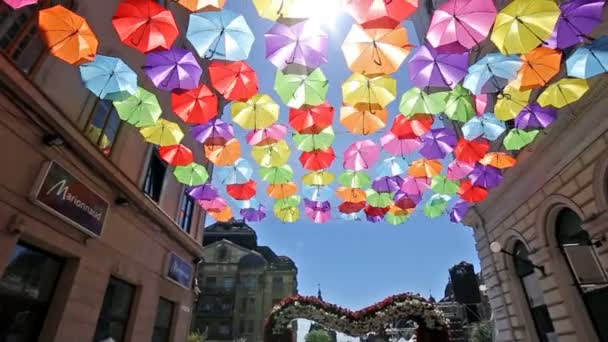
[62, 194]
[179, 271]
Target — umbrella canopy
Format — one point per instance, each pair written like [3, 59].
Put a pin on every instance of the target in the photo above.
[175, 69]
[518, 139]
[379, 199]
[534, 116]
[412, 127]
[287, 214]
[216, 205]
[381, 13]
[237, 173]
[235, 81]
[563, 92]
[539, 67]
[145, 25]
[436, 206]
[258, 112]
[492, 73]
[380, 90]
[415, 186]
[471, 151]
[311, 119]
[318, 212]
[438, 143]
[361, 155]
[225, 154]
[276, 154]
[196, 106]
[458, 170]
[355, 179]
[16, 4]
[415, 101]
[310, 142]
[510, 102]
[387, 184]
[192, 174]
[399, 147]
[351, 207]
[363, 118]
[276, 174]
[459, 104]
[481, 103]
[486, 176]
[267, 136]
[318, 192]
[176, 155]
[318, 178]
[396, 219]
[67, 35]
[275, 9]
[460, 25]
[141, 109]
[406, 201]
[429, 68]
[472, 194]
[282, 190]
[589, 60]
[253, 214]
[242, 192]
[577, 19]
[202, 5]
[109, 78]
[375, 214]
[220, 35]
[486, 126]
[214, 132]
[205, 192]
[224, 215]
[443, 185]
[459, 211]
[297, 90]
[163, 133]
[392, 167]
[318, 159]
[375, 51]
[499, 160]
[353, 195]
[303, 43]
[425, 168]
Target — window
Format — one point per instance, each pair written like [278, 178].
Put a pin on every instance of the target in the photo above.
[164, 318]
[186, 212]
[207, 303]
[211, 282]
[249, 282]
[228, 283]
[155, 176]
[247, 305]
[103, 126]
[115, 311]
[277, 283]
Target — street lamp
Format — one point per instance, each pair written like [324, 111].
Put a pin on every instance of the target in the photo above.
[496, 248]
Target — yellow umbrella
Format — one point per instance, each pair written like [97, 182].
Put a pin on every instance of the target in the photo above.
[524, 24]
[511, 102]
[282, 190]
[258, 112]
[563, 92]
[276, 154]
[364, 118]
[318, 178]
[224, 155]
[380, 90]
[426, 168]
[163, 133]
[287, 214]
[274, 9]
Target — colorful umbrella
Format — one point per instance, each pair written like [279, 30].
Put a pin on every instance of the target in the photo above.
[310, 142]
[303, 43]
[192, 174]
[459, 211]
[540, 66]
[363, 118]
[381, 13]
[481, 103]
[225, 215]
[276, 154]
[436, 206]
[486, 126]
[577, 19]
[518, 139]
[379, 199]
[276, 174]
[292, 201]
[387, 184]
[425, 168]
[438, 143]
[458, 170]
[351, 207]
[196, 106]
[375, 51]
[486, 176]
[297, 90]
[472, 194]
[412, 127]
[492, 73]
[428, 68]
[215, 204]
[16, 4]
[205, 192]
[318, 178]
[311, 119]
[177, 155]
[109, 78]
[460, 25]
[563, 92]
[175, 69]
[258, 112]
[415, 186]
[163, 133]
[361, 155]
[141, 109]
[253, 214]
[443, 185]
[236, 81]
[392, 167]
[242, 192]
[220, 35]
[399, 147]
[396, 219]
[416, 101]
[287, 214]
[374, 214]
[267, 136]
[318, 212]
[510, 102]
[471, 151]
[499, 160]
[202, 5]
[353, 195]
[406, 201]
[225, 154]
[274, 9]
[282, 190]
[380, 90]
[214, 132]
[354, 179]
[318, 159]
[145, 25]
[239, 172]
[534, 116]
[318, 193]
[459, 104]
[589, 60]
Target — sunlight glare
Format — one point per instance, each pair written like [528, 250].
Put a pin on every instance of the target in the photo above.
[324, 12]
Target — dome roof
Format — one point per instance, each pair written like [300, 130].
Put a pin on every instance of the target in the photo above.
[252, 261]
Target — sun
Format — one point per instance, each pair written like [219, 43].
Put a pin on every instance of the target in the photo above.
[325, 13]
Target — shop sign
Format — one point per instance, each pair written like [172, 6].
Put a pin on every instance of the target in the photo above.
[179, 270]
[63, 195]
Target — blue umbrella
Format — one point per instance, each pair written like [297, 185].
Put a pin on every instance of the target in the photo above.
[589, 60]
[486, 126]
[492, 73]
[221, 35]
[109, 78]
[238, 173]
[392, 166]
[318, 193]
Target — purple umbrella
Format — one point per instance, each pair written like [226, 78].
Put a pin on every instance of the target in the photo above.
[375, 219]
[458, 170]
[438, 143]
[578, 18]
[215, 128]
[486, 176]
[387, 184]
[319, 212]
[173, 69]
[253, 214]
[428, 68]
[459, 211]
[415, 185]
[535, 116]
[303, 43]
[205, 192]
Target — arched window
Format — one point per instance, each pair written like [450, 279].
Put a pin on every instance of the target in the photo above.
[586, 269]
[533, 292]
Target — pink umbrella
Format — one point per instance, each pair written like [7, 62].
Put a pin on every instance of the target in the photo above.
[415, 186]
[318, 212]
[460, 25]
[399, 147]
[361, 155]
[266, 136]
[20, 3]
[481, 103]
[458, 170]
[214, 205]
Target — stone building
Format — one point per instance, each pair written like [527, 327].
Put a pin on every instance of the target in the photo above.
[241, 282]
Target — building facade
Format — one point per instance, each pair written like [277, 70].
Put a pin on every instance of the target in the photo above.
[97, 240]
[241, 282]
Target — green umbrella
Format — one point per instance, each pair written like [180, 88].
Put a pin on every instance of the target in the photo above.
[518, 139]
[442, 185]
[355, 179]
[297, 90]
[459, 104]
[192, 174]
[276, 175]
[289, 202]
[436, 205]
[140, 110]
[310, 142]
[379, 199]
[396, 220]
[415, 101]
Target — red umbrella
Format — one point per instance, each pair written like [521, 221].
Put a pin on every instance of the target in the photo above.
[196, 106]
[351, 207]
[242, 192]
[375, 211]
[471, 193]
[236, 81]
[318, 159]
[381, 13]
[471, 151]
[145, 25]
[176, 155]
[411, 128]
[311, 120]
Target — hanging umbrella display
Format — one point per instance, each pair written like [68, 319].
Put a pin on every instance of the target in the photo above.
[416, 101]
[275, 9]
[399, 147]
[192, 174]
[253, 214]
[225, 154]
[351, 207]
[235, 81]
[303, 43]
[486, 176]
[355, 179]
[459, 211]
[214, 132]
[163, 133]
[276, 174]
[481, 103]
[563, 92]
[443, 185]
[224, 215]
[242, 192]
[214, 205]
[361, 155]
[311, 119]
[239, 172]
[318, 159]
[471, 151]
[375, 51]
[510, 102]
[287, 214]
[177, 155]
[539, 67]
[387, 184]
[271, 155]
[415, 186]
[492, 73]
[396, 219]
[317, 211]
[220, 35]
[458, 26]
[406, 202]
[258, 112]
[109, 78]
[319, 141]
[141, 109]
[363, 118]
[266, 136]
[499, 160]
[413, 127]
[428, 68]
[472, 194]
[380, 90]
[175, 69]
[318, 178]
[202, 5]
[196, 106]
[534, 116]
[381, 13]
[458, 170]
[16, 4]
[205, 192]
[292, 201]
[425, 168]
[392, 167]
[589, 60]
[282, 190]
[438, 143]
[517, 139]
[486, 126]
[318, 193]
[296, 90]
[375, 214]
[379, 199]
[353, 195]
[577, 19]
[436, 206]
[459, 104]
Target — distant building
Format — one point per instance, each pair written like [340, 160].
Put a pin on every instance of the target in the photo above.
[240, 283]
[314, 326]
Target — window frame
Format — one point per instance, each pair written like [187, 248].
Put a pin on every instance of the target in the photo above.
[129, 319]
[154, 153]
[169, 328]
[185, 221]
[106, 122]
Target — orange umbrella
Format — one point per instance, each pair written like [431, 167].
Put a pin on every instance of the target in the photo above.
[376, 51]
[427, 168]
[222, 216]
[67, 35]
[202, 5]
[499, 160]
[282, 191]
[352, 195]
[540, 66]
[224, 155]
[363, 118]
[395, 210]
